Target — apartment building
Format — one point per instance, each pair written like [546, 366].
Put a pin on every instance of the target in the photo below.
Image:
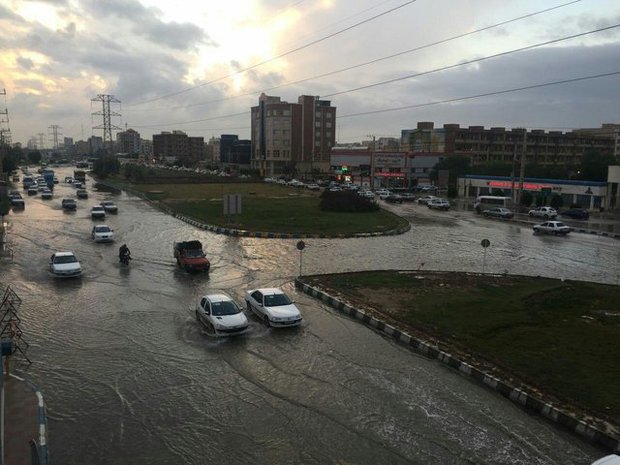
[292, 137]
[177, 146]
[128, 141]
[500, 144]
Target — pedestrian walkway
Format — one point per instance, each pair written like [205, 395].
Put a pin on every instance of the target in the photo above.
[23, 423]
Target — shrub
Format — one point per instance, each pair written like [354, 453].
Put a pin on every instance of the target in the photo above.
[346, 201]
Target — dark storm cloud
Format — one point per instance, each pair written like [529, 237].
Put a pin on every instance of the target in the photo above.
[146, 23]
[25, 63]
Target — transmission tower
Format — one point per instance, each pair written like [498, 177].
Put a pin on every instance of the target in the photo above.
[54, 134]
[41, 140]
[5, 131]
[107, 114]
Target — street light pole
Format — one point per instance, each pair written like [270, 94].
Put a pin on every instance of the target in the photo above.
[372, 163]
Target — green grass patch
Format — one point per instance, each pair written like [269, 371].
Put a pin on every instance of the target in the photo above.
[562, 336]
[265, 207]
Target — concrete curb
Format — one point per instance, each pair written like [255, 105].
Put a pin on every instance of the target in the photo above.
[276, 235]
[42, 417]
[516, 395]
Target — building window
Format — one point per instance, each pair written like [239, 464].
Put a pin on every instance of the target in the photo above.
[317, 124]
[318, 115]
[328, 133]
[328, 125]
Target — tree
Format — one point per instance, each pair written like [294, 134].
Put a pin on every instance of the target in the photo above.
[493, 168]
[526, 198]
[556, 201]
[594, 165]
[457, 165]
[34, 157]
[106, 165]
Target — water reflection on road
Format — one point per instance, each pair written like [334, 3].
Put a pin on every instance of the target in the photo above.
[130, 377]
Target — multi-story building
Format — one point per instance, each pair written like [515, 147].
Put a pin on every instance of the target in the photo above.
[292, 138]
[146, 149]
[128, 141]
[499, 144]
[177, 146]
[213, 151]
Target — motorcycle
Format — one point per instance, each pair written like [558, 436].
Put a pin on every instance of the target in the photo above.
[124, 259]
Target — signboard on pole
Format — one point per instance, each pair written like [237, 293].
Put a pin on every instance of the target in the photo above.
[232, 204]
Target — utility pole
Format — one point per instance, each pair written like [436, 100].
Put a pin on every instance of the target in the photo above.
[107, 114]
[372, 162]
[41, 140]
[5, 131]
[522, 173]
[54, 135]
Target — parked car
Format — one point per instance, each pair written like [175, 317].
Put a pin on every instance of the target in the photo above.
[426, 198]
[576, 213]
[552, 227]
[68, 204]
[383, 193]
[313, 187]
[109, 206]
[498, 212]
[81, 194]
[438, 204]
[273, 306]
[47, 194]
[394, 198]
[102, 233]
[97, 212]
[221, 315]
[407, 197]
[367, 194]
[65, 265]
[543, 212]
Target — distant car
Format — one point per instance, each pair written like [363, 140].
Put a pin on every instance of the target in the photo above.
[576, 213]
[367, 194]
[32, 190]
[334, 189]
[102, 233]
[109, 206]
[498, 212]
[407, 197]
[313, 187]
[97, 212]
[221, 315]
[543, 212]
[552, 227]
[81, 194]
[65, 265]
[383, 193]
[273, 306]
[425, 199]
[394, 198]
[77, 184]
[47, 194]
[68, 204]
[438, 204]
[17, 201]
[69, 179]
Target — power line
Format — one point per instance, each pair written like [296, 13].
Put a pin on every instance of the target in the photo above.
[377, 60]
[245, 113]
[487, 94]
[477, 60]
[297, 49]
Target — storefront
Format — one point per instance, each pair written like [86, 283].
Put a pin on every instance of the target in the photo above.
[587, 194]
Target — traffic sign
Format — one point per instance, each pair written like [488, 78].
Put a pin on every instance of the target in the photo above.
[485, 243]
[301, 245]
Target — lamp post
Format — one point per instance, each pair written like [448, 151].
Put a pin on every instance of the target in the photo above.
[372, 163]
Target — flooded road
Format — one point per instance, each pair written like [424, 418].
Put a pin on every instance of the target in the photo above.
[130, 377]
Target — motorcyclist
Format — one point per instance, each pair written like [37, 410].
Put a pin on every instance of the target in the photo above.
[124, 253]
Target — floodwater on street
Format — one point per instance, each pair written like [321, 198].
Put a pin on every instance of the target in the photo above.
[130, 377]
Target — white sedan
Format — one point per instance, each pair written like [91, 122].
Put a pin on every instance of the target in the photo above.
[552, 227]
[102, 233]
[221, 315]
[65, 265]
[273, 306]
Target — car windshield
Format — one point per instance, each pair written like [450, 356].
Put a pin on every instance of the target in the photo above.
[65, 259]
[559, 225]
[194, 253]
[224, 308]
[102, 229]
[275, 300]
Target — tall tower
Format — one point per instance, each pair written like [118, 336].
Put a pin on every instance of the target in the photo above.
[54, 135]
[5, 131]
[107, 114]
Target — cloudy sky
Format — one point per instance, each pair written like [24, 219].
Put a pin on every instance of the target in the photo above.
[198, 66]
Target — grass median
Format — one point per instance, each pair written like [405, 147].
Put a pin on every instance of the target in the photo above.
[265, 207]
[559, 336]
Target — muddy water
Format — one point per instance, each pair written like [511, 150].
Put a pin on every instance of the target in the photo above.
[130, 377]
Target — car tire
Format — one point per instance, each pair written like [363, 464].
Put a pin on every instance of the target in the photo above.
[266, 321]
[248, 306]
[531, 214]
[197, 317]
